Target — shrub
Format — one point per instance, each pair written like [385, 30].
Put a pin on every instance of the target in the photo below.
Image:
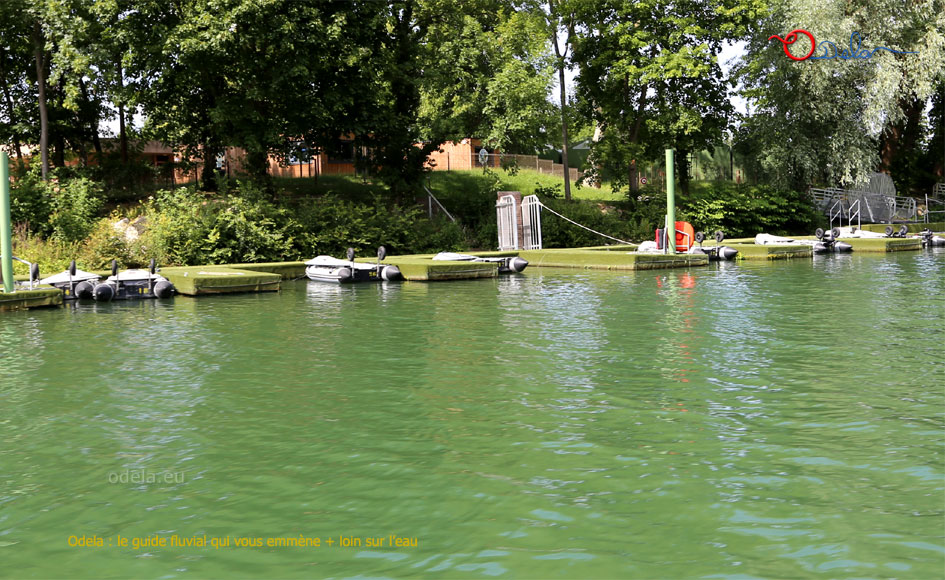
[742, 211]
[75, 205]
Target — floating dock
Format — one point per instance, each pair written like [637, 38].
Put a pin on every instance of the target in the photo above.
[606, 258]
[749, 250]
[24, 299]
[881, 245]
[203, 280]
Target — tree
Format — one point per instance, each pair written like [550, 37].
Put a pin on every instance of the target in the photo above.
[825, 121]
[16, 59]
[562, 21]
[650, 77]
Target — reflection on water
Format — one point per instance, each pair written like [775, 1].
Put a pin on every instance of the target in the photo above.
[752, 420]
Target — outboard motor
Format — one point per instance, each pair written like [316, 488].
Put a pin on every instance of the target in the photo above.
[901, 233]
[718, 252]
[828, 242]
[930, 240]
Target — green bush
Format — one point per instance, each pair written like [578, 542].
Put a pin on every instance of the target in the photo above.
[75, 206]
[743, 211]
[30, 202]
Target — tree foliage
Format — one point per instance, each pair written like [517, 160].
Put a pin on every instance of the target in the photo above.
[825, 121]
[649, 75]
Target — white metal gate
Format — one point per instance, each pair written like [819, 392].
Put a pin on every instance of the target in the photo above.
[531, 222]
[506, 212]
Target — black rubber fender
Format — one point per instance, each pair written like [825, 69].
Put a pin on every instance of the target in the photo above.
[84, 290]
[391, 273]
[104, 292]
[163, 289]
[517, 264]
[727, 253]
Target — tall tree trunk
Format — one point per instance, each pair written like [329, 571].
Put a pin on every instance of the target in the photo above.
[57, 139]
[93, 123]
[39, 50]
[682, 170]
[634, 139]
[208, 173]
[11, 111]
[122, 134]
[901, 137]
[563, 91]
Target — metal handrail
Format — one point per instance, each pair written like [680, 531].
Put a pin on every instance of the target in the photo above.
[851, 213]
[432, 198]
[29, 265]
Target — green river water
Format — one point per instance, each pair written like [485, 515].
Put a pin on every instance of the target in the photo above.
[782, 420]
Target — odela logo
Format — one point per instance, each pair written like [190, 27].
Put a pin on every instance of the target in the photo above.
[830, 49]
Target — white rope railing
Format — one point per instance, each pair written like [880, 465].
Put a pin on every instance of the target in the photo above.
[582, 226]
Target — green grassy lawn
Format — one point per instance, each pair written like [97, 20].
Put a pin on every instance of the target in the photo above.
[525, 181]
[445, 185]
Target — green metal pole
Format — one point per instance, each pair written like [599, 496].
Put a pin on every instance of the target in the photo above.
[6, 227]
[670, 203]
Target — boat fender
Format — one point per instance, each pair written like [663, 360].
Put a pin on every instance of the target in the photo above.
[518, 264]
[391, 273]
[163, 289]
[104, 292]
[344, 274]
[83, 290]
[842, 247]
[727, 253]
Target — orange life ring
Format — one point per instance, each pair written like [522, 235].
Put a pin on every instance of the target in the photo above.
[685, 236]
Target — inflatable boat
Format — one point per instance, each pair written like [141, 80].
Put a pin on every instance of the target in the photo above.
[126, 285]
[717, 252]
[827, 242]
[329, 269]
[507, 264]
